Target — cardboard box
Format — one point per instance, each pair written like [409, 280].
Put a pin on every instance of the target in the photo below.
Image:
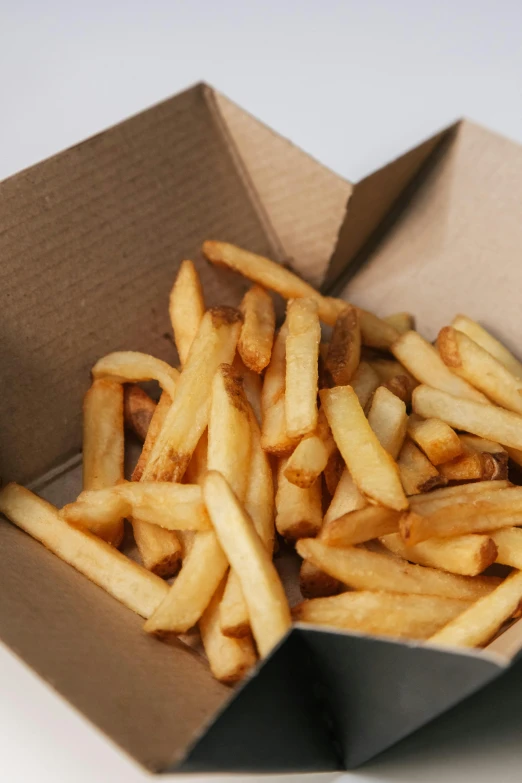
[90, 241]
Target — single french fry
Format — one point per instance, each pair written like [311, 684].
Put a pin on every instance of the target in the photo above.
[214, 344]
[302, 351]
[153, 430]
[403, 322]
[448, 496]
[476, 626]
[186, 308]
[382, 614]
[138, 409]
[125, 580]
[270, 275]
[203, 569]
[467, 555]
[314, 583]
[133, 366]
[347, 498]
[370, 465]
[274, 437]
[344, 351]
[298, 511]
[171, 506]
[365, 570]
[478, 514]
[375, 332]
[307, 462]
[487, 421]
[262, 588]
[479, 368]
[424, 363]
[252, 385]
[508, 541]
[388, 419]
[103, 447]
[469, 466]
[493, 346]
[229, 659]
[257, 333]
[364, 383]
[360, 526]
[435, 438]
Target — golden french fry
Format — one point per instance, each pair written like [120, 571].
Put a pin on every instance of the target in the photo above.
[469, 466]
[435, 438]
[298, 511]
[257, 333]
[473, 363]
[274, 437]
[508, 541]
[252, 385]
[388, 419]
[203, 569]
[448, 496]
[229, 659]
[487, 421]
[382, 614]
[153, 430]
[186, 308]
[270, 275]
[375, 332]
[360, 526]
[467, 555]
[483, 338]
[403, 322]
[171, 506]
[370, 465]
[124, 579]
[480, 622]
[477, 514]
[365, 570]
[307, 462]
[314, 583]
[344, 351]
[364, 383]
[262, 588]
[347, 498]
[424, 363]
[133, 366]
[103, 447]
[138, 409]
[214, 344]
[302, 352]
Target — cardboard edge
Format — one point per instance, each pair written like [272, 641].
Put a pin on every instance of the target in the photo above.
[377, 202]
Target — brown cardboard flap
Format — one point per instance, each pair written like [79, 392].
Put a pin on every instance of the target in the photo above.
[373, 199]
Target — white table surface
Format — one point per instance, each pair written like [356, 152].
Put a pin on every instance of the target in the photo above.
[354, 83]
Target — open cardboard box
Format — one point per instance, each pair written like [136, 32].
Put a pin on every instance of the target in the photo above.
[90, 241]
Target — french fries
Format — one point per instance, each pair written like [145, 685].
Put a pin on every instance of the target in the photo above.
[274, 437]
[371, 467]
[476, 626]
[103, 446]
[252, 385]
[344, 351]
[138, 409]
[508, 541]
[387, 418]
[375, 332]
[311, 455]
[364, 383]
[424, 363]
[257, 333]
[347, 498]
[186, 308]
[403, 322]
[214, 344]
[298, 511]
[262, 588]
[486, 421]
[125, 580]
[468, 555]
[302, 352]
[496, 456]
[395, 377]
[153, 430]
[435, 438]
[473, 363]
[360, 526]
[132, 367]
[382, 614]
[314, 583]
[490, 344]
[364, 570]
[469, 466]
[448, 496]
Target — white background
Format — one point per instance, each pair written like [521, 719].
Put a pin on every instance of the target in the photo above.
[353, 83]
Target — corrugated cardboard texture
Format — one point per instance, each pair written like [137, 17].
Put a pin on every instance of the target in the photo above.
[304, 201]
[90, 241]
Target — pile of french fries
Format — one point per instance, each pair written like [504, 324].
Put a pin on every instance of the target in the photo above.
[381, 459]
